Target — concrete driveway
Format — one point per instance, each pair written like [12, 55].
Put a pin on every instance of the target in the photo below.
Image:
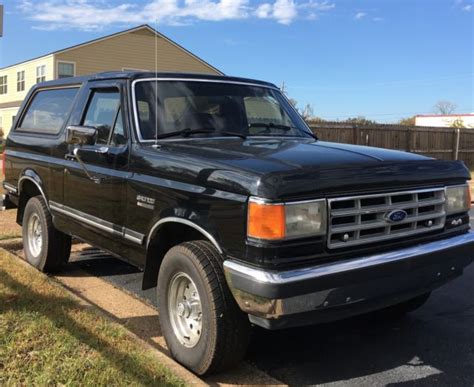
[434, 345]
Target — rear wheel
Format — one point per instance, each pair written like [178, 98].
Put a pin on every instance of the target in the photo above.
[204, 328]
[45, 248]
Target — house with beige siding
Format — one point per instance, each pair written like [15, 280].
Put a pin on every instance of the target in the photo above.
[139, 48]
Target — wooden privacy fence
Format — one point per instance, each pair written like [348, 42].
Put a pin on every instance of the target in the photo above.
[440, 143]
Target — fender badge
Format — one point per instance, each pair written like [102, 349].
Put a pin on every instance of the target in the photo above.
[145, 202]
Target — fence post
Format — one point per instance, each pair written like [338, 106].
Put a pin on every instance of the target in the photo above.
[456, 142]
[408, 139]
[356, 134]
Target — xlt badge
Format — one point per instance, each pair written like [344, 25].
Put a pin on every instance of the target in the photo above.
[145, 202]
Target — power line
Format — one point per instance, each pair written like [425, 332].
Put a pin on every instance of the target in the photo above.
[394, 83]
[387, 114]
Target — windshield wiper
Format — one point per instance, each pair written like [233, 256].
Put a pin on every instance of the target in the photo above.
[228, 133]
[186, 132]
[270, 125]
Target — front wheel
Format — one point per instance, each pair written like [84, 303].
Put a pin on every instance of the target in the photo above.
[203, 327]
[45, 247]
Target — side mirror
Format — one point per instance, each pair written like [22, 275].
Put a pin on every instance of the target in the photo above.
[81, 135]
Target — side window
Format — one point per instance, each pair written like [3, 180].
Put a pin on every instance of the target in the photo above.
[105, 114]
[48, 111]
[118, 135]
[102, 113]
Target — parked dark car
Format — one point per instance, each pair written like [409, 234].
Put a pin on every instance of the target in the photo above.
[216, 188]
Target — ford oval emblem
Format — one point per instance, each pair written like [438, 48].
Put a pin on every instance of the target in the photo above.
[396, 216]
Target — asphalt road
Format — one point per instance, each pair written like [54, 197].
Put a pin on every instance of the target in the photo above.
[432, 346]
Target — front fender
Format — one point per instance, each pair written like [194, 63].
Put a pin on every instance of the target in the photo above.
[173, 219]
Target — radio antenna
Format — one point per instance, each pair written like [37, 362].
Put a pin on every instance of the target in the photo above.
[156, 81]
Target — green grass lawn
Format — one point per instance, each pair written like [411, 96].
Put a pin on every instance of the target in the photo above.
[47, 337]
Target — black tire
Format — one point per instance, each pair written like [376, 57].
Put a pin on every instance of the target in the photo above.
[225, 328]
[400, 310]
[55, 246]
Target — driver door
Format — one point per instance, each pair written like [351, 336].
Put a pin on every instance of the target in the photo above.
[97, 205]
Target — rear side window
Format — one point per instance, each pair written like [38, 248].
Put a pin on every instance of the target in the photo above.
[48, 111]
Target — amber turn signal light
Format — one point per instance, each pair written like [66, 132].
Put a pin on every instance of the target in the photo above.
[266, 221]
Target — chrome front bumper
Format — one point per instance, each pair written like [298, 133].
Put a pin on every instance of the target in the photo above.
[339, 289]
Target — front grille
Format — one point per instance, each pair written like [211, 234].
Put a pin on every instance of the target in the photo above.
[366, 219]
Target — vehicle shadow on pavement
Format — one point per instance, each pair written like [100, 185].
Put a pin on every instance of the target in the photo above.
[430, 346]
[371, 350]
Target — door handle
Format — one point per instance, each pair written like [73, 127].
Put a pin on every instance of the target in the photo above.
[102, 150]
[75, 156]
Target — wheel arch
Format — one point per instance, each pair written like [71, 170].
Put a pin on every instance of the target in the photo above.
[165, 234]
[29, 185]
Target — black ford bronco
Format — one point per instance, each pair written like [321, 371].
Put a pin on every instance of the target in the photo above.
[231, 206]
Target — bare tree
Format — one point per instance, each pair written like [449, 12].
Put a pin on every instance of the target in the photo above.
[444, 107]
[360, 120]
[306, 112]
[408, 121]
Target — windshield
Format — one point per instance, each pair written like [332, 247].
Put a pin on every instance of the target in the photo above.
[213, 109]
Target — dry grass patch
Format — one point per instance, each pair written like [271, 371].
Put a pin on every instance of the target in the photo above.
[47, 337]
[8, 227]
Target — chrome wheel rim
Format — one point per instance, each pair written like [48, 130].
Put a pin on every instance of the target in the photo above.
[184, 307]
[35, 235]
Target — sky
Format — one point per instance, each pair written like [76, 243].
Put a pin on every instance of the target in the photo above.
[381, 59]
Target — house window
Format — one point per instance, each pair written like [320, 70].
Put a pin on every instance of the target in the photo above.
[20, 81]
[66, 70]
[41, 73]
[3, 85]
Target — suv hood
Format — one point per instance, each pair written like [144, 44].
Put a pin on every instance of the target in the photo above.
[278, 168]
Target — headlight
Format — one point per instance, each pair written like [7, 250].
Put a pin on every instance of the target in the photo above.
[458, 199]
[274, 221]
